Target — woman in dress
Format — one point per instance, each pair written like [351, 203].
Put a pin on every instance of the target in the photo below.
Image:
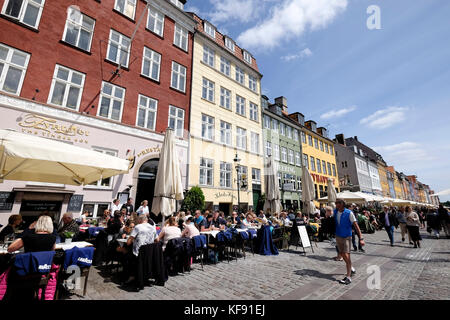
[413, 225]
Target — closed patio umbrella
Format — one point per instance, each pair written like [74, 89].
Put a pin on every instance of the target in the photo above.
[168, 184]
[273, 197]
[331, 194]
[308, 192]
[30, 158]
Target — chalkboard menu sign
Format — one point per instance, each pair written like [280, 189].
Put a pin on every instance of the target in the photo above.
[40, 206]
[75, 203]
[6, 200]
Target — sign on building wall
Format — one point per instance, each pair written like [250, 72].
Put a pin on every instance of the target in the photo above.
[6, 200]
[75, 203]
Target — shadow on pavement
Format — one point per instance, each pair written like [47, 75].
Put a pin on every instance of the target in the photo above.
[316, 274]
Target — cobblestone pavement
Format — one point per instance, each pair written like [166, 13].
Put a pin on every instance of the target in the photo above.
[406, 273]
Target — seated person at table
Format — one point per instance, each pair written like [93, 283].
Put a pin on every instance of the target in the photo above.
[106, 216]
[190, 230]
[262, 216]
[13, 222]
[126, 230]
[68, 224]
[198, 218]
[115, 224]
[218, 222]
[236, 220]
[284, 218]
[83, 219]
[300, 219]
[41, 240]
[248, 221]
[206, 224]
[169, 232]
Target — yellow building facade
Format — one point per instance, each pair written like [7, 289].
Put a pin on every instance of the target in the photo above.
[225, 122]
[319, 157]
[382, 172]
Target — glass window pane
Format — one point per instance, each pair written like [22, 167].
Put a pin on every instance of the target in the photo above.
[13, 8]
[31, 15]
[115, 115]
[88, 23]
[12, 80]
[112, 52]
[71, 34]
[118, 93]
[141, 117]
[58, 93]
[72, 99]
[62, 74]
[1, 68]
[150, 120]
[107, 88]
[3, 53]
[85, 37]
[104, 107]
[18, 58]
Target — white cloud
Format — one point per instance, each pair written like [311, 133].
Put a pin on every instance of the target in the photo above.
[291, 19]
[385, 118]
[238, 10]
[337, 113]
[408, 155]
[302, 54]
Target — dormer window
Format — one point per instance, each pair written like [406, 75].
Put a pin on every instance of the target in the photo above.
[247, 57]
[229, 44]
[210, 30]
[178, 3]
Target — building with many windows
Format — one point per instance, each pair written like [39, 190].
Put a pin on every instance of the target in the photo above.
[95, 75]
[281, 138]
[318, 155]
[225, 121]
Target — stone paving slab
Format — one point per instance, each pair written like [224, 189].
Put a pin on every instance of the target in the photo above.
[406, 273]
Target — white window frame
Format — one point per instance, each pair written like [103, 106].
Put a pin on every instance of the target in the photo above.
[153, 58]
[252, 83]
[254, 114]
[289, 131]
[282, 129]
[225, 66]
[226, 174]
[112, 98]
[240, 75]
[318, 165]
[321, 145]
[177, 69]
[23, 10]
[208, 90]
[298, 161]
[158, 17]
[178, 131]
[209, 56]
[209, 30]
[276, 152]
[79, 24]
[98, 184]
[207, 167]
[126, 2]
[247, 57]
[291, 156]
[147, 109]
[241, 138]
[120, 48]
[312, 163]
[182, 34]
[303, 137]
[330, 173]
[296, 137]
[240, 105]
[229, 44]
[305, 160]
[256, 176]
[208, 127]
[68, 84]
[225, 98]
[324, 167]
[254, 142]
[268, 148]
[226, 133]
[327, 150]
[267, 122]
[8, 64]
[275, 125]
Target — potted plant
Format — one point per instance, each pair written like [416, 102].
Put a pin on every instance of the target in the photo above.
[285, 242]
[68, 236]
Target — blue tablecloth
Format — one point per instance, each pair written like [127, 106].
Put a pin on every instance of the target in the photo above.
[265, 244]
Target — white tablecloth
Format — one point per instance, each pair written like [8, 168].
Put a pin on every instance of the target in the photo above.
[66, 246]
[212, 233]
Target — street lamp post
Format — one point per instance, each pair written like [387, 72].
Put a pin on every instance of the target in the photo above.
[236, 161]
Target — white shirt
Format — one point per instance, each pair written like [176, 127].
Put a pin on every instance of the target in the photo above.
[143, 234]
[142, 210]
[114, 208]
[170, 232]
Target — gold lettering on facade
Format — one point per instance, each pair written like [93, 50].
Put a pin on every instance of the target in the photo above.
[149, 150]
[50, 128]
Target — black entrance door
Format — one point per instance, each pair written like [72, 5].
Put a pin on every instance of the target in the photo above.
[146, 182]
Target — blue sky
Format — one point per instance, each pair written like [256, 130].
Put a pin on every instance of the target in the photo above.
[390, 87]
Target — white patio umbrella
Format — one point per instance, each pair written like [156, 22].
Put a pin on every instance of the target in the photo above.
[370, 197]
[308, 192]
[168, 184]
[347, 196]
[273, 197]
[30, 158]
[331, 194]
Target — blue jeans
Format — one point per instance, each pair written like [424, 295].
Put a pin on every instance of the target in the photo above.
[354, 241]
[390, 232]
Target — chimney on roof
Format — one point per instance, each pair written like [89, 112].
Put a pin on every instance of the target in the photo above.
[356, 138]
[340, 139]
[282, 101]
[298, 117]
[323, 132]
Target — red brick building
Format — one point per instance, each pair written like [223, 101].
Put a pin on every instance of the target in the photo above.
[119, 68]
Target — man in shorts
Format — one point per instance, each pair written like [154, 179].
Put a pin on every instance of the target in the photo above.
[344, 220]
